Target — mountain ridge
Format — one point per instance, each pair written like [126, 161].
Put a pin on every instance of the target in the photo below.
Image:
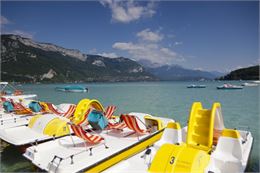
[177, 72]
[246, 73]
[25, 60]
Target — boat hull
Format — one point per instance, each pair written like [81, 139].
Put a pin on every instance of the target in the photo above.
[71, 89]
[118, 146]
[233, 88]
[125, 153]
[197, 86]
[17, 97]
[179, 150]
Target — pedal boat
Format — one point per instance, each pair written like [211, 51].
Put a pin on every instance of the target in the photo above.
[35, 129]
[15, 95]
[73, 154]
[205, 145]
[42, 127]
[21, 116]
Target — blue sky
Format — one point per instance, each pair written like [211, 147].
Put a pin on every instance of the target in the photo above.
[218, 35]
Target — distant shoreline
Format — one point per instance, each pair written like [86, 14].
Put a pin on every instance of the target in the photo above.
[109, 82]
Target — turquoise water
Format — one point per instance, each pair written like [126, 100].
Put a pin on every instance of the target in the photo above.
[168, 99]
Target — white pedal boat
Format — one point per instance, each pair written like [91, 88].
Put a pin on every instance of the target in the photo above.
[9, 120]
[73, 154]
[194, 148]
[35, 128]
[41, 127]
[12, 120]
[36, 131]
[18, 97]
[15, 95]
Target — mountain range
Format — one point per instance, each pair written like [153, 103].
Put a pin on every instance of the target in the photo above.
[25, 60]
[176, 72]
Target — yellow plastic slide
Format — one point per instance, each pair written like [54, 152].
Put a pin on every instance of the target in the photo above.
[54, 126]
[201, 126]
[191, 156]
[82, 108]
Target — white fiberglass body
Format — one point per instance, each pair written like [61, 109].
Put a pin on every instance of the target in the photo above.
[9, 120]
[72, 154]
[229, 155]
[19, 97]
[15, 130]
[185, 149]
[5, 86]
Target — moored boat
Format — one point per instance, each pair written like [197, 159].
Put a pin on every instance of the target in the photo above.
[204, 145]
[21, 129]
[257, 81]
[196, 86]
[229, 86]
[18, 113]
[72, 88]
[249, 84]
[98, 147]
[7, 91]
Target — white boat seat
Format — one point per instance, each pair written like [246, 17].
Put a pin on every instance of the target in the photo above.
[229, 147]
[171, 134]
[227, 156]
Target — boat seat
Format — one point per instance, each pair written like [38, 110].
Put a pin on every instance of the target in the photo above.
[69, 113]
[92, 139]
[109, 112]
[81, 133]
[117, 126]
[171, 134]
[228, 152]
[19, 108]
[131, 122]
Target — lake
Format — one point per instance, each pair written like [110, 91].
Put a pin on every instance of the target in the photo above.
[167, 99]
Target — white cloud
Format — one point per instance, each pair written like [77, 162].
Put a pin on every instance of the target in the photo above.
[4, 21]
[149, 48]
[109, 55]
[21, 33]
[148, 35]
[128, 11]
[151, 52]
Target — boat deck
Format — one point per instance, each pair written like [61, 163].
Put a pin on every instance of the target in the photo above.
[8, 120]
[140, 162]
[16, 135]
[117, 141]
[134, 164]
